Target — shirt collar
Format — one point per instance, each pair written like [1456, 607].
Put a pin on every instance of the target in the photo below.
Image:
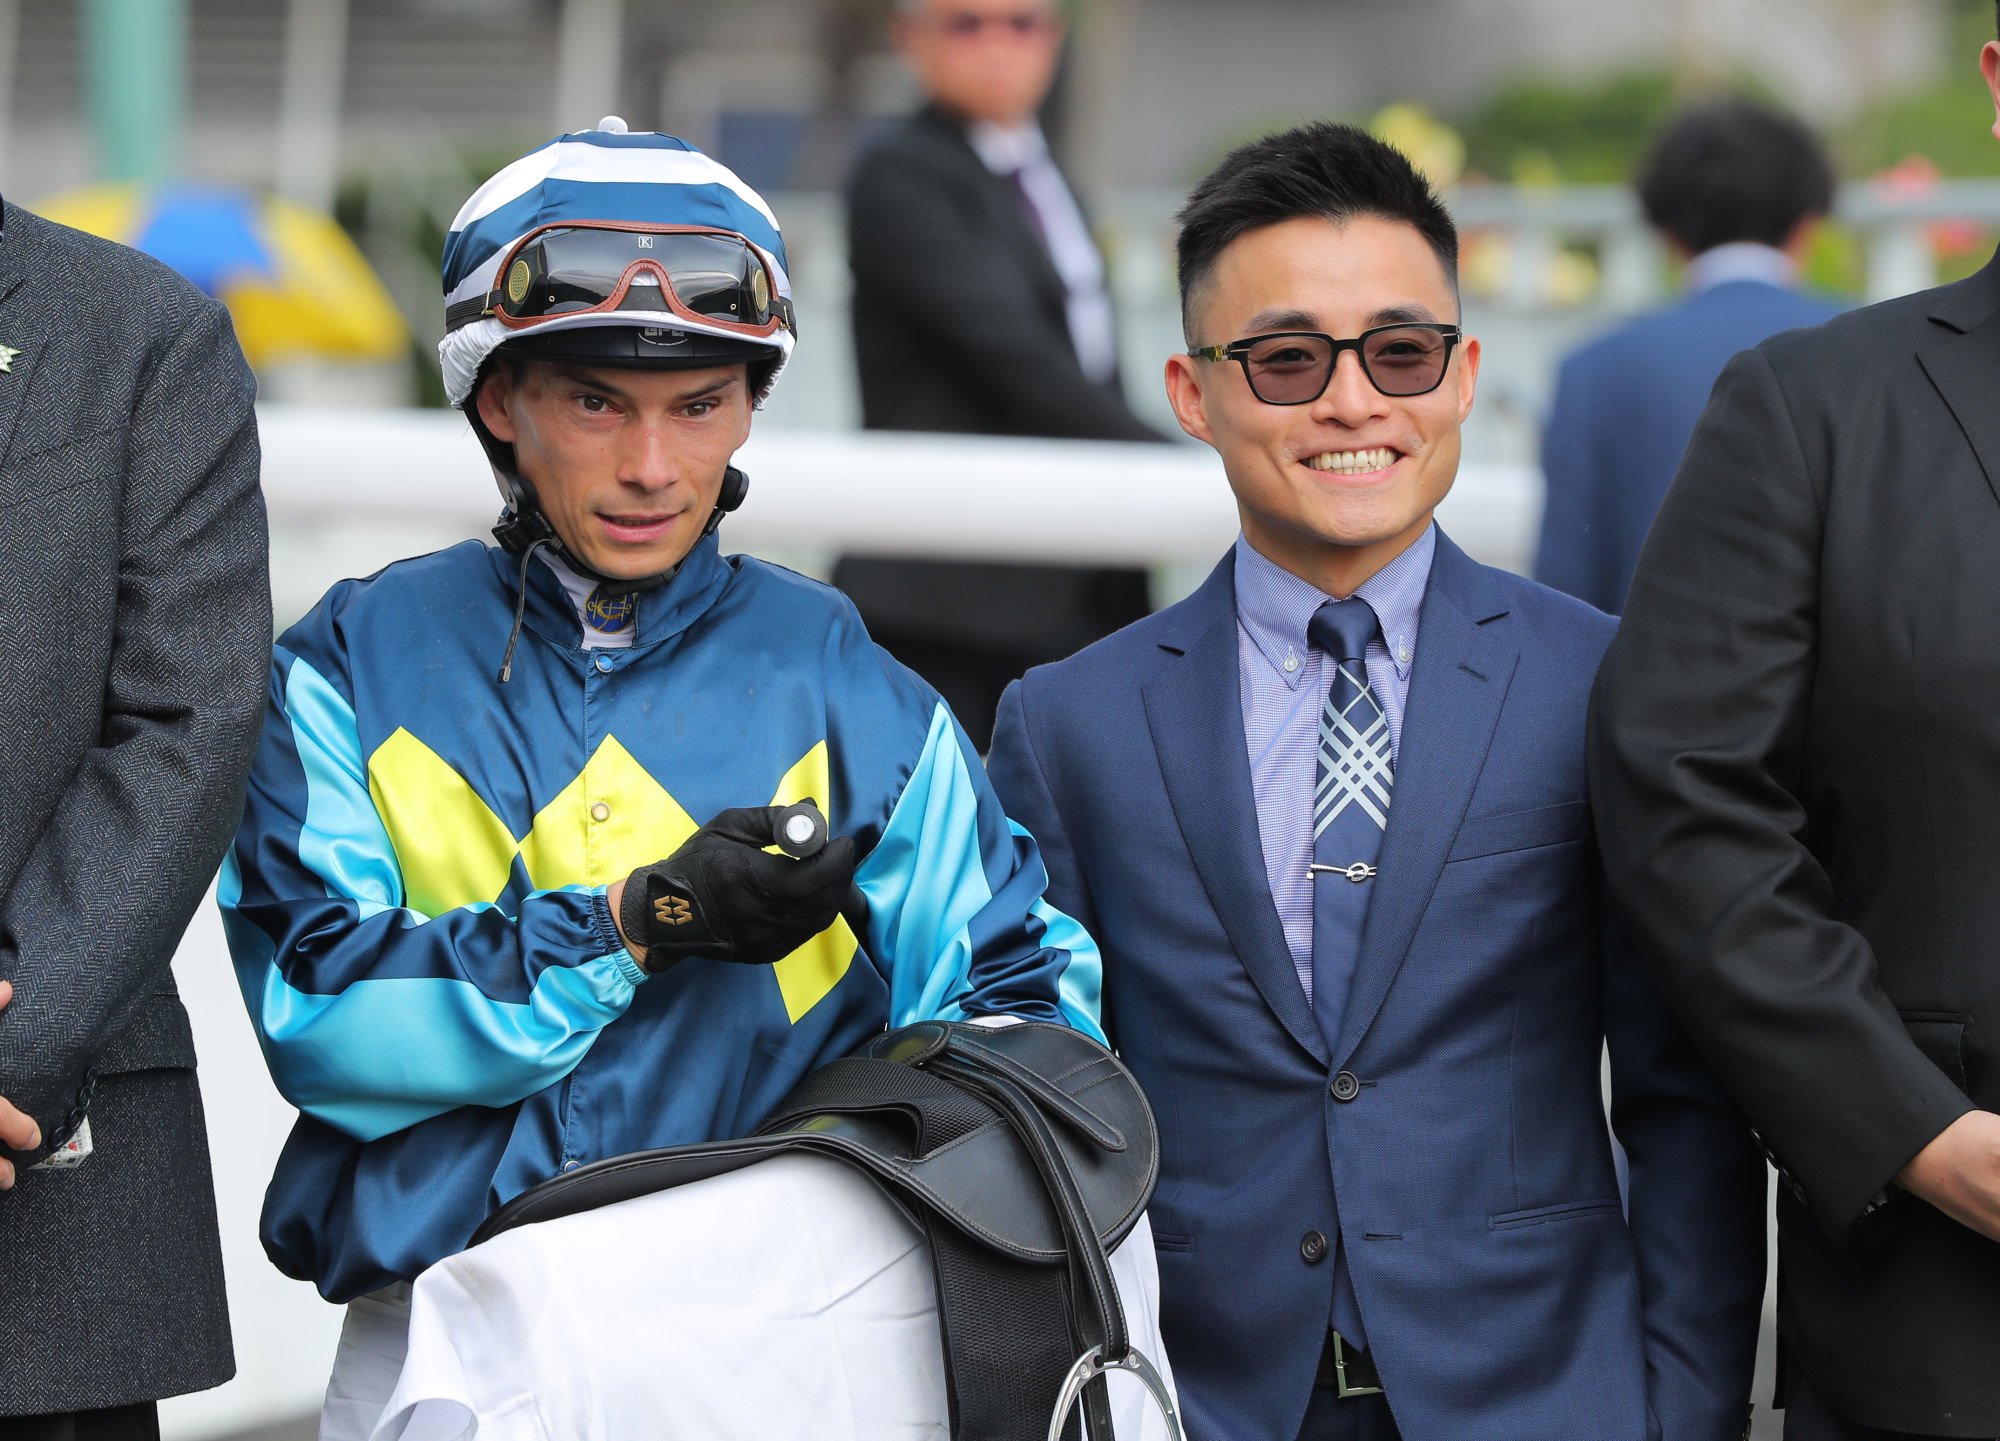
[1005, 149]
[557, 595]
[1740, 260]
[1274, 606]
[577, 587]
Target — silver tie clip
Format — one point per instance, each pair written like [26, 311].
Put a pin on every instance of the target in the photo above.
[1358, 872]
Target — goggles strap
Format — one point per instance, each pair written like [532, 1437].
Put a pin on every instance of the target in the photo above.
[462, 313]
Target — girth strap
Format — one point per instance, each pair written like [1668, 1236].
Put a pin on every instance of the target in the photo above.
[1096, 1318]
[1003, 1362]
[1005, 1353]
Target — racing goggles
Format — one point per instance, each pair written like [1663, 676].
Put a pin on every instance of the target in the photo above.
[715, 278]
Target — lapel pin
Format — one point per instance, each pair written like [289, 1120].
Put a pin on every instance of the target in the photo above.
[7, 354]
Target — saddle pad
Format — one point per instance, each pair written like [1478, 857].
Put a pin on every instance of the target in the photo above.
[787, 1298]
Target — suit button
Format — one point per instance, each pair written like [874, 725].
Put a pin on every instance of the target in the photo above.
[1313, 1248]
[1346, 1086]
[604, 664]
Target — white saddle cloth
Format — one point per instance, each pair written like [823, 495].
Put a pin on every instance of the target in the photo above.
[790, 1298]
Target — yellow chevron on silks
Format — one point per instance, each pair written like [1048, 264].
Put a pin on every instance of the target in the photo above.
[815, 968]
[454, 851]
[571, 846]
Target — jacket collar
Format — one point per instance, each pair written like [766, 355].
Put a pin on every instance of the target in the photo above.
[1458, 687]
[10, 262]
[1971, 302]
[1194, 711]
[1964, 364]
[18, 332]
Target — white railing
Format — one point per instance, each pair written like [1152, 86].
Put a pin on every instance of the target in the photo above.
[350, 491]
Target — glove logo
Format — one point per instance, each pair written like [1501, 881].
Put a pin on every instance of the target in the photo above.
[672, 911]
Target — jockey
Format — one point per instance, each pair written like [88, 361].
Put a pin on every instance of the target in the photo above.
[504, 899]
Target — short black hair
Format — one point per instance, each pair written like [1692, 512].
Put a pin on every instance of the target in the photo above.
[1731, 170]
[1320, 171]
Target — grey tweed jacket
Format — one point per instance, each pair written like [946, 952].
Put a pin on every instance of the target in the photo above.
[135, 638]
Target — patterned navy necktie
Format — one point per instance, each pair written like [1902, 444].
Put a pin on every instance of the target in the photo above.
[1350, 805]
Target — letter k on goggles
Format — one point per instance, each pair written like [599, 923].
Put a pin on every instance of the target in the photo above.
[715, 277]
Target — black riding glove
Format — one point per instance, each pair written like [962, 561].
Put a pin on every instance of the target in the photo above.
[723, 896]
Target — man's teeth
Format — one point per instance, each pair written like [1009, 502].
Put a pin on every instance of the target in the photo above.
[1354, 462]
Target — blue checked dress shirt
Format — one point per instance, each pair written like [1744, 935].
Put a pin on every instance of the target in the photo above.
[1283, 687]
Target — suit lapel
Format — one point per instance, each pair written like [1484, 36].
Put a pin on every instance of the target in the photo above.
[25, 348]
[1463, 670]
[1005, 209]
[1966, 368]
[1010, 216]
[1194, 710]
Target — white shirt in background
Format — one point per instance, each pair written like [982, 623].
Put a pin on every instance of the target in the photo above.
[1741, 260]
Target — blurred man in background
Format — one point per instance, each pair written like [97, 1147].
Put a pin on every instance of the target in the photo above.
[980, 307]
[1795, 765]
[1735, 191]
[135, 632]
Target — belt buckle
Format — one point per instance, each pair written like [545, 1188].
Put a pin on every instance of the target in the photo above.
[1340, 1372]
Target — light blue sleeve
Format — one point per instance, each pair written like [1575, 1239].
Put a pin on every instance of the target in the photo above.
[373, 1016]
[956, 915]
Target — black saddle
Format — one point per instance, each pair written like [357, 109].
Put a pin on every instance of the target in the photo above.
[1024, 1152]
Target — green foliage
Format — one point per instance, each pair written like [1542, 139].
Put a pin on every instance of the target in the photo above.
[1589, 133]
[407, 238]
[1950, 124]
[1834, 262]
[1545, 130]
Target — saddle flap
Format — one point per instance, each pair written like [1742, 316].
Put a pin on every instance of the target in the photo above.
[926, 1139]
[1104, 1131]
[1051, 1096]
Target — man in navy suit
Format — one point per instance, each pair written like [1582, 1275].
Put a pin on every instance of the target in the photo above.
[1735, 191]
[1327, 819]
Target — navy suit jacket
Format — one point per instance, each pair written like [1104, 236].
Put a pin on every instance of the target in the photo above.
[1506, 1291]
[1625, 407]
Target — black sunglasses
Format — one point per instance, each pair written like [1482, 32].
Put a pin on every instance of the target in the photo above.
[1294, 367]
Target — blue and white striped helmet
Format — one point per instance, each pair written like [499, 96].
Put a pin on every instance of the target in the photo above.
[606, 175]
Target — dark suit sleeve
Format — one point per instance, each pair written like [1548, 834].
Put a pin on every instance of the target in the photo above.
[1696, 736]
[1015, 769]
[916, 243]
[91, 922]
[1695, 1204]
[1576, 553]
